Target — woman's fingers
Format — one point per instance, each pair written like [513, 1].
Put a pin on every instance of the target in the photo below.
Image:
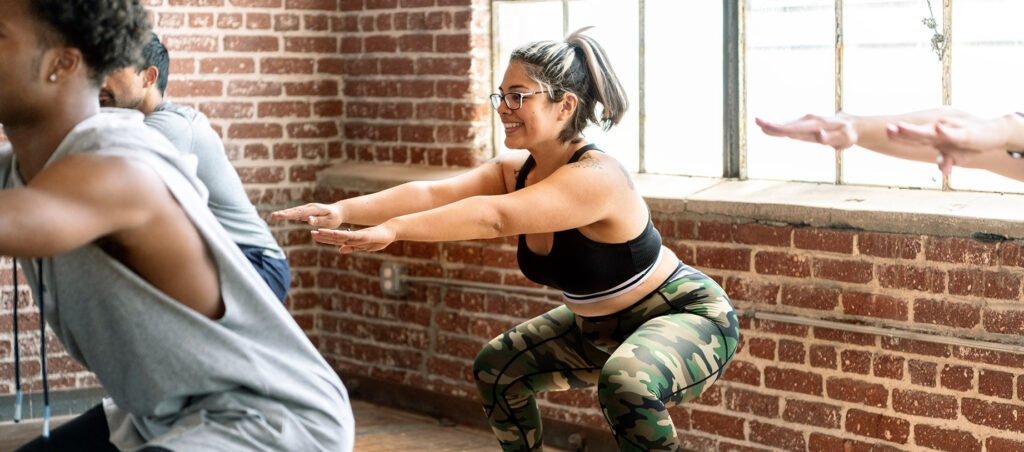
[304, 213]
[812, 129]
[332, 236]
[838, 136]
[946, 163]
[355, 239]
[799, 127]
[287, 214]
[950, 133]
[317, 215]
[912, 133]
[322, 220]
[373, 238]
[979, 138]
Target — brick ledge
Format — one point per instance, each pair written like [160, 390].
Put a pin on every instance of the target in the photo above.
[905, 211]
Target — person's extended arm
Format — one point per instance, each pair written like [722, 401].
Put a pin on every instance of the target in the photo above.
[1015, 124]
[974, 143]
[574, 196]
[870, 132]
[1001, 133]
[75, 201]
[411, 197]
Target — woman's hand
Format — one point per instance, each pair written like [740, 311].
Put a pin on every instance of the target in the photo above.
[835, 131]
[958, 141]
[373, 238]
[326, 216]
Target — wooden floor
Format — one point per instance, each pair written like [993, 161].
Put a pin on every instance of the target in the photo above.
[378, 429]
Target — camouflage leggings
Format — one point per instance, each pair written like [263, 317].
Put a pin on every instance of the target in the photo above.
[662, 351]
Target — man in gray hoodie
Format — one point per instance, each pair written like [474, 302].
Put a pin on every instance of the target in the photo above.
[133, 273]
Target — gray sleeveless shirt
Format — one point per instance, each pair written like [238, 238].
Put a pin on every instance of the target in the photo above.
[248, 381]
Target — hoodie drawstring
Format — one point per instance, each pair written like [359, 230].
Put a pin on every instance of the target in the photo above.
[17, 351]
[42, 352]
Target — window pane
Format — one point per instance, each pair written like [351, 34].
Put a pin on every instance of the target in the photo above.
[516, 24]
[684, 87]
[790, 71]
[889, 67]
[988, 46]
[616, 25]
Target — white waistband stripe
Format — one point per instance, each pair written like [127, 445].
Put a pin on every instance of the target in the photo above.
[620, 289]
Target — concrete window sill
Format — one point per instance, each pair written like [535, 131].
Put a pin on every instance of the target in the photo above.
[906, 211]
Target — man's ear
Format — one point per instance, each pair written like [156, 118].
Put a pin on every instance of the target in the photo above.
[150, 76]
[568, 106]
[63, 62]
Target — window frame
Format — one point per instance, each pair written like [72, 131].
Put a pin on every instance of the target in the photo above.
[734, 117]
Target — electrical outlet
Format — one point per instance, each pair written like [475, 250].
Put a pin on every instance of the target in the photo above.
[392, 279]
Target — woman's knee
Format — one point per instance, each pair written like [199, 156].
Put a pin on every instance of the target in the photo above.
[487, 359]
[495, 362]
[627, 379]
[660, 375]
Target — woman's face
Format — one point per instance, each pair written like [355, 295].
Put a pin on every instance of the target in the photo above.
[538, 121]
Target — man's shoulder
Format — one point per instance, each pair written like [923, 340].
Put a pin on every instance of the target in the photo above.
[115, 132]
[169, 117]
[178, 123]
[121, 134]
[168, 113]
[172, 120]
[177, 109]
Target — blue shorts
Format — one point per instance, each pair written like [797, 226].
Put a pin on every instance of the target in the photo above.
[275, 272]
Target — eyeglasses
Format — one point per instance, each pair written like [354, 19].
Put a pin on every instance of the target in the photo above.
[513, 101]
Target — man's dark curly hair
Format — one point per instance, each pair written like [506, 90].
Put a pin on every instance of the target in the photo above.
[109, 33]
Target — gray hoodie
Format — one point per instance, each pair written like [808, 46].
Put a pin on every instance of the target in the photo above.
[248, 381]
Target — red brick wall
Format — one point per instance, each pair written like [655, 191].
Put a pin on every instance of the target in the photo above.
[416, 77]
[298, 84]
[791, 387]
[268, 74]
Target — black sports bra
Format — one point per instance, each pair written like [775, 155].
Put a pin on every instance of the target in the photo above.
[582, 268]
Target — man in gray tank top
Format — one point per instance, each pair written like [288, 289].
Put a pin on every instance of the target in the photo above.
[132, 272]
[142, 88]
